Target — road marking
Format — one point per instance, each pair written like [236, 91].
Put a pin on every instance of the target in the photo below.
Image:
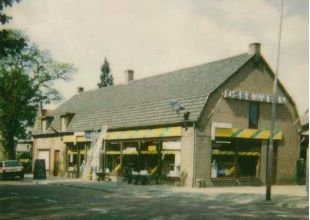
[13, 193]
[50, 200]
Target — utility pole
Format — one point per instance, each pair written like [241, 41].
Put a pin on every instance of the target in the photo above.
[269, 173]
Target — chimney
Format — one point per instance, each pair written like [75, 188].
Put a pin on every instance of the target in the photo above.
[80, 89]
[129, 76]
[254, 48]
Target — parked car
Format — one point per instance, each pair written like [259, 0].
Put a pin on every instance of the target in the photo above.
[11, 168]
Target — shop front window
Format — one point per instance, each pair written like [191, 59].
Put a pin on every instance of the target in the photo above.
[130, 159]
[171, 158]
[113, 157]
[223, 159]
[149, 156]
[235, 158]
[77, 158]
[248, 158]
[144, 156]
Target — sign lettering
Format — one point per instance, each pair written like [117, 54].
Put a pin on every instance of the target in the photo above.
[241, 95]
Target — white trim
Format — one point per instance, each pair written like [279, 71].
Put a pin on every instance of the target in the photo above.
[215, 125]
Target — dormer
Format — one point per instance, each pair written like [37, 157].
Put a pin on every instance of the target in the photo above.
[46, 120]
[65, 120]
[45, 123]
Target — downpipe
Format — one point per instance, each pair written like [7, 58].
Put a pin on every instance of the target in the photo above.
[194, 158]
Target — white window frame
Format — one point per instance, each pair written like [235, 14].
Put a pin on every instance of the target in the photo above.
[43, 125]
[63, 123]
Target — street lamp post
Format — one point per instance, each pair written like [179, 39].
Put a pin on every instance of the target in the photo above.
[269, 174]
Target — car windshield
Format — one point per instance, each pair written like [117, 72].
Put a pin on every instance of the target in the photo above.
[12, 163]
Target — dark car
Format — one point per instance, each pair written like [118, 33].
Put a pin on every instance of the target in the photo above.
[11, 168]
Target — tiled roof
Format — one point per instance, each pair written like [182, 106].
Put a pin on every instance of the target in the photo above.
[146, 102]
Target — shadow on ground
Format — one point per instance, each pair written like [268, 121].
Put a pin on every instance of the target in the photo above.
[59, 202]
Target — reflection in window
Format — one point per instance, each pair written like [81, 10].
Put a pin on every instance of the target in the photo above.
[113, 161]
[223, 157]
[238, 158]
[248, 158]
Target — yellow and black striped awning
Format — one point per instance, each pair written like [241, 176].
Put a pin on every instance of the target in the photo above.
[247, 133]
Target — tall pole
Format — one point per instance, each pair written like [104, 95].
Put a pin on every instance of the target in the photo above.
[269, 175]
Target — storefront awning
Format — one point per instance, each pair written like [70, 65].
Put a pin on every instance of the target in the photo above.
[71, 138]
[130, 134]
[145, 133]
[247, 133]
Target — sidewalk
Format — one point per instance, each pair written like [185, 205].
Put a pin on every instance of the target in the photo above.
[290, 196]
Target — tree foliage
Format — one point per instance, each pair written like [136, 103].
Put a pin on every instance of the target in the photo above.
[3, 4]
[27, 76]
[106, 79]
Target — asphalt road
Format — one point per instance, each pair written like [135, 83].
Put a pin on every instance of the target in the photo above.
[36, 201]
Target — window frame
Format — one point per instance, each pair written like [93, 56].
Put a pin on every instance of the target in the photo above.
[63, 126]
[250, 124]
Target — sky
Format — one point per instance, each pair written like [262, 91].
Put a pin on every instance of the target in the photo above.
[154, 37]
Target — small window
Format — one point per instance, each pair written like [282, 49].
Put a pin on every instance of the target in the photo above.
[253, 114]
[43, 125]
[63, 123]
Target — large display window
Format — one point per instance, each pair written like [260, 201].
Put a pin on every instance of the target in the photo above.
[113, 157]
[235, 158]
[149, 156]
[155, 157]
[171, 158]
[76, 158]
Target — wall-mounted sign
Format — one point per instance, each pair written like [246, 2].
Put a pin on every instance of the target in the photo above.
[241, 95]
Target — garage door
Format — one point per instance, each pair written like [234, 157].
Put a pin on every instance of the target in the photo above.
[45, 154]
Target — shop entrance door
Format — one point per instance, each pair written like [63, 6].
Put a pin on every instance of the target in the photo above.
[56, 163]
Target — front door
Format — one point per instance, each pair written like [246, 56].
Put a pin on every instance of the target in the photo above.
[56, 163]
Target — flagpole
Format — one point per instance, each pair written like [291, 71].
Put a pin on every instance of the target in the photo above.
[269, 173]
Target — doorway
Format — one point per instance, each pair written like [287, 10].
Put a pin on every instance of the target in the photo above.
[56, 163]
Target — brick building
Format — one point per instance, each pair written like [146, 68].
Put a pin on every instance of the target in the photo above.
[206, 124]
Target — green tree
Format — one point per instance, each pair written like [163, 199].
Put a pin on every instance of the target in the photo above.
[27, 76]
[106, 79]
[3, 4]
[8, 42]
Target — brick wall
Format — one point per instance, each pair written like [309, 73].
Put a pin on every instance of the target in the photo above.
[253, 78]
[187, 152]
[51, 144]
